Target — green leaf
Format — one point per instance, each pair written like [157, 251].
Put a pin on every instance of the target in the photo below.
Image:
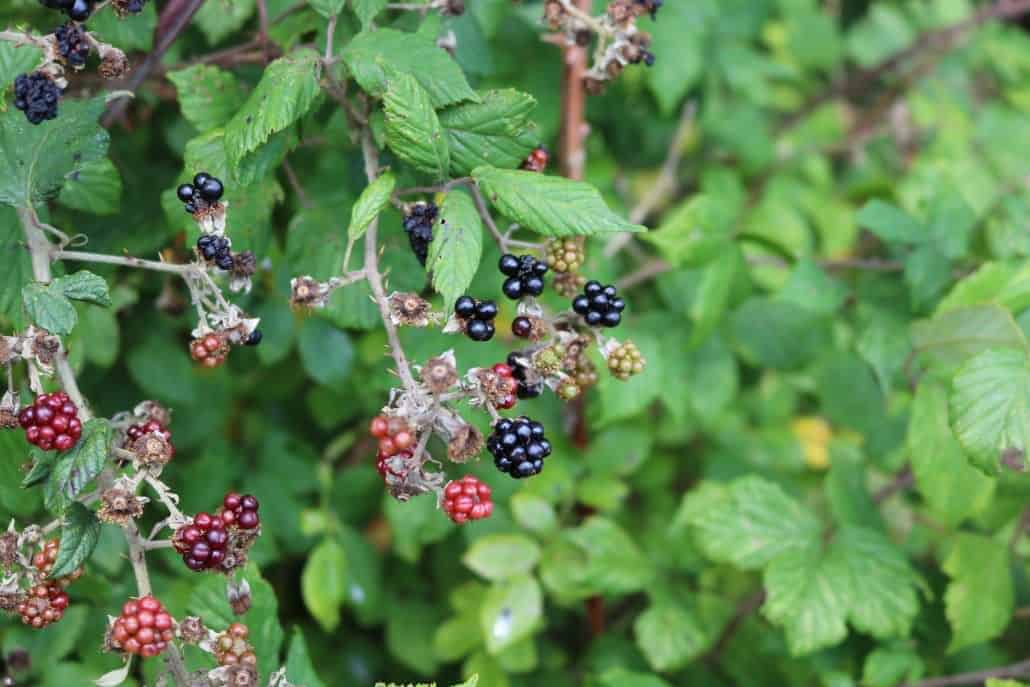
[299, 669]
[752, 522]
[322, 583]
[326, 353]
[511, 611]
[890, 223]
[889, 666]
[42, 465]
[15, 60]
[500, 556]
[456, 249]
[861, 577]
[84, 286]
[813, 288]
[409, 634]
[496, 131]
[218, 19]
[533, 512]
[413, 130]
[374, 55]
[553, 206]
[48, 307]
[136, 34]
[990, 406]
[367, 10]
[471, 682]
[979, 600]
[17, 266]
[208, 96]
[287, 90]
[36, 160]
[80, 465]
[670, 636]
[327, 8]
[621, 677]
[614, 562]
[953, 336]
[370, 203]
[694, 233]
[95, 188]
[209, 601]
[945, 479]
[779, 334]
[80, 532]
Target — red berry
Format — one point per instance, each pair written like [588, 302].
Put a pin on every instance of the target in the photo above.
[144, 628]
[467, 499]
[379, 427]
[51, 422]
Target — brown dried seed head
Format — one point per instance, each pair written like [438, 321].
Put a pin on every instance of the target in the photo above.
[244, 264]
[113, 64]
[439, 375]
[306, 292]
[118, 506]
[409, 309]
[465, 444]
[241, 675]
[45, 347]
[8, 549]
[152, 450]
[192, 630]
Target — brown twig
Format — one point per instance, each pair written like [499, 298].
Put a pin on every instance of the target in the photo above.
[573, 107]
[745, 609]
[174, 18]
[902, 481]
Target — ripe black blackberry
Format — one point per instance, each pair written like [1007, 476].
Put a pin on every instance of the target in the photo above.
[477, 316]
[519, 447]
[525, 275]
[599, 305]
[418, 223]
[216, 249]
[123, 7]
[72, 43]
[37, 96]
[204, 192]
[518, 370]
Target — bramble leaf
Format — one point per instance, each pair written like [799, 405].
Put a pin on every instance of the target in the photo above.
[457, 247]
[413, 130]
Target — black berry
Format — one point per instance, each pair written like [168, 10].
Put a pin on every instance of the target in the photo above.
[186, 192]
[478, 317]
[519, 447]
[211, 189]
[525, 275]
[521, 327]
[254, 338]
[418, 223]
[80, 10]
[599, 305]
[72, 43]
[36, 95]
[524, 389]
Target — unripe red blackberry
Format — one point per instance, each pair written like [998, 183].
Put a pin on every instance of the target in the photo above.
[500, 386]
[210, 350]
[144, 628]
[537, 159]
[51, 422]
[232, 647]
[393, 433]
[44, 604]
[467, 499]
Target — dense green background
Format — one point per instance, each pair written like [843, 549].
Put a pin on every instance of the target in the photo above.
[764, 361]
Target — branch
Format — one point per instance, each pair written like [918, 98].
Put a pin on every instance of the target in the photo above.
[124, 261]
[371, 269]
[173, 20]
[977, 677]
[745, 608]
[573, 106]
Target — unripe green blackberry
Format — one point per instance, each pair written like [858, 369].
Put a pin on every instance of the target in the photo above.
[586, 373]
[548, 361]
[568, 390]
[565, 255]
[626, 361]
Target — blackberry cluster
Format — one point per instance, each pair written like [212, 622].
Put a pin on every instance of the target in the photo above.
[599, 305]
[467, 499]
[395, 440]
[205, 543]
[626, 361]
[524, 389]
[204, 192]
[477, 316]
[215, 249]
[566, 255]
[72, 43]
[44, 604]
[37, 96]
[129, 6]
[232, 647]
[210, 350]
[418, 223]
[51, 422]
[79, 10]
[519, 447]
[525, 275]
[144, 628]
